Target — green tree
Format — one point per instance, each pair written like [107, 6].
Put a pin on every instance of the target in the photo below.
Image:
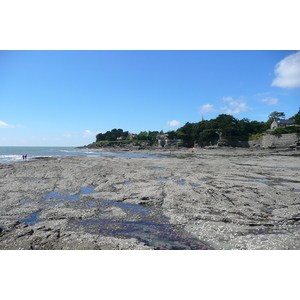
[100, 137]
[227, 124]
[272, 116]
[142, 136]
[187, 133]
[296, 117]
[206, 136]
[172, 135]
[256, 127]
[276, 114]
[152, 135]
[243, 127]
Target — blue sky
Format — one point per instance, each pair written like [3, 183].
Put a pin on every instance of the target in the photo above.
[64, 98]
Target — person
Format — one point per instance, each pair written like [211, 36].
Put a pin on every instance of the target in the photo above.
[25, 156]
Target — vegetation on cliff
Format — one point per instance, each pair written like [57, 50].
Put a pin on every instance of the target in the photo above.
[205, 132]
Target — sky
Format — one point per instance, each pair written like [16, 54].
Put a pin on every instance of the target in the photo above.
[64, 98]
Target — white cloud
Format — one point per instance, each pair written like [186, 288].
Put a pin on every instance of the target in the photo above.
[173, 123]
[5, 125]
[227, 99]
[206, 108]
[68, 135]
[288, 72]
[235, 106]
[270, 101]
[88, 134]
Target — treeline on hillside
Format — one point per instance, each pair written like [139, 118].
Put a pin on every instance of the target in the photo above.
[206, 132]
[112, 135]
[119, 134]
[226, 126]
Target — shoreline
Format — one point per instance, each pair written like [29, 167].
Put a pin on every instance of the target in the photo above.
[207, 199]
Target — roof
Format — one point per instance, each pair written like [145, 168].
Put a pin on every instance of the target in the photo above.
[285, 122]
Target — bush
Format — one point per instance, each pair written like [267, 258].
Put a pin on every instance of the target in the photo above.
[285, 130]
[254, 137]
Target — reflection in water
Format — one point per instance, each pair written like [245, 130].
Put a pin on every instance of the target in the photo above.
[147, 224]
[124, 220]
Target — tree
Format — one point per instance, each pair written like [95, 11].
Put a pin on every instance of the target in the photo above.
[226, 124]
[256, 127]
[125, 134]
[152, 135]
[172, 135]
[296, 117]
[142, 136]
[243, 127]
[272, 116]
[207, 136]
[100, 137]
[276, 114]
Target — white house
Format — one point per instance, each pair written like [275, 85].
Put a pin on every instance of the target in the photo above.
[281, 123]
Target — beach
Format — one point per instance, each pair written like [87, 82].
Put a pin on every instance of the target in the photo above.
[224, 198]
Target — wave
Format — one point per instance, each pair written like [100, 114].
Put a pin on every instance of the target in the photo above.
[14, 154]
[67, 151]
[10, 158]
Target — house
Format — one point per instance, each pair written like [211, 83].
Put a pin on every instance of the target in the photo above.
[131, 135]
[162, 136]
[281, 123]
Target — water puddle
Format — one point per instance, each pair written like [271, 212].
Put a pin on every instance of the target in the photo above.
[36, 180]
[147, 224]
[194, 184]
[53, 195]
[158, 169]
[67, 196]
[270, 181]
[33, 219]
[162, 179]
[26, 201]
[181, 182]
[124, 220]
[87, 190]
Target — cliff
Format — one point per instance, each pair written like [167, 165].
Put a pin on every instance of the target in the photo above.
[291, 140]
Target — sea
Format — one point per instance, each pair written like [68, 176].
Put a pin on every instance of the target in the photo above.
[14, 154]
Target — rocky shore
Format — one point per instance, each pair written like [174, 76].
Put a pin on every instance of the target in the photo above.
[203, 199]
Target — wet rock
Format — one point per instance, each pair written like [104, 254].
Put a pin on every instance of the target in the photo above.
[230, 199]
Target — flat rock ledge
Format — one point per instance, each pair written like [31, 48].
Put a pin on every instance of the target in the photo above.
[203, 199]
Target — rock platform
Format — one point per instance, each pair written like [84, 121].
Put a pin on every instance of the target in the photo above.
[203, 199]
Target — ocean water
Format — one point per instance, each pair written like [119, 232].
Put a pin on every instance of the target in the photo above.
[14, 154]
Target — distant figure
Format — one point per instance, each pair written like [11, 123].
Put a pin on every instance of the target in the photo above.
[25, 157]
